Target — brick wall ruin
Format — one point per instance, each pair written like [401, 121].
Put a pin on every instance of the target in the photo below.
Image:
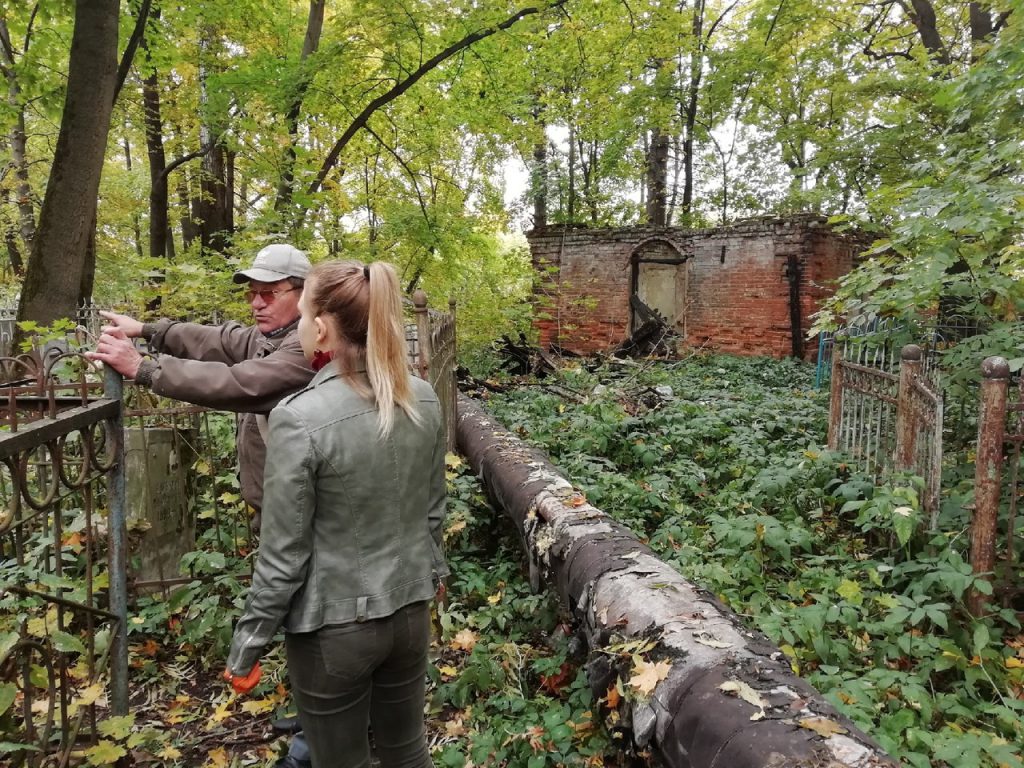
[727, 289]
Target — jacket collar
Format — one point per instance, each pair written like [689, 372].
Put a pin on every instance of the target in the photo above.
[328, 372]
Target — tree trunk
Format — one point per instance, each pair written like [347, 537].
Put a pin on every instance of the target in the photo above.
[158, 184]
[57, 267]
[729, 697]
[690, 109]
[214, 220]
[539, 173]
[136, 220]
[926, 23]
[11, 243]
[17, 138]
[189, 230]
[314, 28]
[657, 178]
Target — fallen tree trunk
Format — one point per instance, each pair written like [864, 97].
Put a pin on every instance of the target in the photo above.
[701, 689]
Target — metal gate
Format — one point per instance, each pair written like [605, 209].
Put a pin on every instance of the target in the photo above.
[62, 558]
[888, 416]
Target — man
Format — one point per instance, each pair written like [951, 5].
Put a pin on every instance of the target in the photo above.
[246, 369]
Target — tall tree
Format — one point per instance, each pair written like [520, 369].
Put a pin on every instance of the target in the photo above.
[53, 280]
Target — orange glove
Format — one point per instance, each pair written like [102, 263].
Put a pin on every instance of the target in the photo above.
[244, 684]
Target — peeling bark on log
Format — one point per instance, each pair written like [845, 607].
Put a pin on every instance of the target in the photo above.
[618, 590]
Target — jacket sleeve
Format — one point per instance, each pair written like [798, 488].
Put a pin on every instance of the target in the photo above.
[228, 343]
[249, 386]
[286, 538]
[437, 502]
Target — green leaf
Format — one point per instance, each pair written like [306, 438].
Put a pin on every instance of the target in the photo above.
[8, 693]
[117, 728]
[66, 643]
[105, 753]
[981, 639]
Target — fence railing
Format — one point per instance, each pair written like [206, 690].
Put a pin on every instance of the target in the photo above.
[888, 417]
[62, 529]
[435, 358]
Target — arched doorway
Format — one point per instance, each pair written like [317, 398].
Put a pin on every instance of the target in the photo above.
[659, 282]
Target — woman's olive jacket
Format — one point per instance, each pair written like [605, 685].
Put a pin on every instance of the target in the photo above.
[352, 522]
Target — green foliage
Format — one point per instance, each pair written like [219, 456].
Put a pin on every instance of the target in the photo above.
[955, 222]
[728, 482]
[508, 682]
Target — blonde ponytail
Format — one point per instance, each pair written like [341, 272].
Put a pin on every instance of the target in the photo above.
[386, 353]
[365, 305]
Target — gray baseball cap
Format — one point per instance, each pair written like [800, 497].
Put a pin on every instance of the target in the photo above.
[275, 262]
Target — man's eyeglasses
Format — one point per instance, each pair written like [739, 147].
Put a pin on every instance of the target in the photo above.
[268, 295]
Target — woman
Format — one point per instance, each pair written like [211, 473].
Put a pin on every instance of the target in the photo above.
[350, 550]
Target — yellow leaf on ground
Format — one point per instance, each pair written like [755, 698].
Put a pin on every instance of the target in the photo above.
[1014, 663]
[258, 707]
[455, 527]
[821, 726]
[222, 713]
[647, 675]
[169, 753]
[465, 640]
[743, 691]
[218, 758]
[90, 695]
[455, 728]
[448, 671]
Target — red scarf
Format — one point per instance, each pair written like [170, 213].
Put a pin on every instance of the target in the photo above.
[320, 359]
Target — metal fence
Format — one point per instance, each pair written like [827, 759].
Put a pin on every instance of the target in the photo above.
[434, 358]
[887, 413]
[62, 557]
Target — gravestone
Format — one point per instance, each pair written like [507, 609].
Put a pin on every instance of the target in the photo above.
[159, 500]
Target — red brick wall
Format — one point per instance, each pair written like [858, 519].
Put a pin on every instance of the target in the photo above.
[734, 281]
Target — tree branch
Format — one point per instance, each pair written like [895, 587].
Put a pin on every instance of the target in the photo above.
[133, 45]
[401, 87]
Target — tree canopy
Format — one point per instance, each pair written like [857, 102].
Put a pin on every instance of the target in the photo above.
[386, 130]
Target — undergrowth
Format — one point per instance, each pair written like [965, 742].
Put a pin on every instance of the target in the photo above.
[727, 479]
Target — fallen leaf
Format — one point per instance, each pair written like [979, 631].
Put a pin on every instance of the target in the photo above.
[647, 675]
[448, 671]
[612, 696]
[259, 706]
[821, 726]
[465, 640]
[90, 695]
[105, 753]
[169, 753]
[222, 713]
[218, 758]
[743, 691]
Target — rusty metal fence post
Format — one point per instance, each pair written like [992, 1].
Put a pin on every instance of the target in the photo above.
[419, 302]
[906, 416]
[835, 403]
[995, 379]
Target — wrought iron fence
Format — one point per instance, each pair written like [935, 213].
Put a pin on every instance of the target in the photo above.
[62, 556]
[887, 413]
